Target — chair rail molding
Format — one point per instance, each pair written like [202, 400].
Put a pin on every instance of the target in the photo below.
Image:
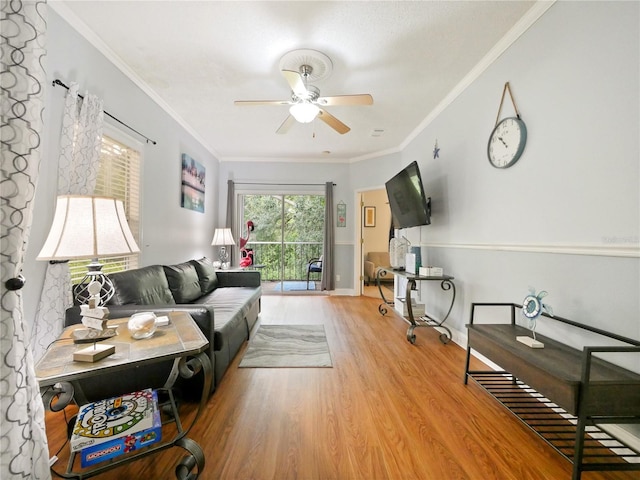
[615, 249]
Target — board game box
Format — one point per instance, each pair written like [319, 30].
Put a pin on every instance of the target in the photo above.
[109, 428]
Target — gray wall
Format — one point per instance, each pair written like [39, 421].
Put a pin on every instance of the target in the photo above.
[566, 218]
[170, 234]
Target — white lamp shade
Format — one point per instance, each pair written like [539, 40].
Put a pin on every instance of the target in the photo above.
[304, 112]
[88, 227]
[223, 236]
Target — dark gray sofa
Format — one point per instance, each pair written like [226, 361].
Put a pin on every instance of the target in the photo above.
[225, 305]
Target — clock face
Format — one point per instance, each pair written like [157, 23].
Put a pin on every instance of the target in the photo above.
[507, 142]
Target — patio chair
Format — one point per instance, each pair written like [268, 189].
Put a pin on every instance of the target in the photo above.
[314, 266]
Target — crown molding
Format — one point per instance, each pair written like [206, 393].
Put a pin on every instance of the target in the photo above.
[61, 9]
[530, 18]
[532, 15]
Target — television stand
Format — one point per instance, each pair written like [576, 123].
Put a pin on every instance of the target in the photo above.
[446, 284]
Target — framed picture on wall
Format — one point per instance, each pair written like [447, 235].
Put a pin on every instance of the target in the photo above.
[369, 216]
[193, 176]
[341, 210]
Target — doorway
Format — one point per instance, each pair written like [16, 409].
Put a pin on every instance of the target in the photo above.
[288, 233]
[374, 238]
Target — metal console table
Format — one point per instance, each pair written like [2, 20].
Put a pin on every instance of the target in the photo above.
[446, 284]
[182, 340]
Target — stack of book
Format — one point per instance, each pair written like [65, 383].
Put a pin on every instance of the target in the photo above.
[109, 428]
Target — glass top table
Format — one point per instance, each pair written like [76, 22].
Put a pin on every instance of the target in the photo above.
[181, 337]
[426, 320]
[182, 341]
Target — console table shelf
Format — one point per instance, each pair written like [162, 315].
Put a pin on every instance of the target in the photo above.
[563, 394]
[426, 320]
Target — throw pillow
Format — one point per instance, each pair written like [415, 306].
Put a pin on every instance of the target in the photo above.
[206, 274]
[183, 282]
[142, 286]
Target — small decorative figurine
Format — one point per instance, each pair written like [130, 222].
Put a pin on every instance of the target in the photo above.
[94, 318]
[436, 150]
[532, 307]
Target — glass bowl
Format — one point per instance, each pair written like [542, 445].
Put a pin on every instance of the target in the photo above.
[142, 325]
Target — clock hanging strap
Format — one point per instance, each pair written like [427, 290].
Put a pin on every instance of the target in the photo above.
[507, 87]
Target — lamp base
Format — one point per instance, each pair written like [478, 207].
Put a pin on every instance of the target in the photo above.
[94, 274]
[223, 256]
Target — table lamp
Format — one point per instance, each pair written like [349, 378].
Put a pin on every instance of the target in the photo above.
[223, 237]
[89, 227]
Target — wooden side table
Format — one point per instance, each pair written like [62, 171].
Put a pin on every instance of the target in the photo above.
[181, 340]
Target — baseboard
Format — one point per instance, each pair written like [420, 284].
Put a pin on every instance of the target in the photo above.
[622, 434]
[349, 292]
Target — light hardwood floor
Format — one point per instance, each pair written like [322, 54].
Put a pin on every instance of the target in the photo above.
[386, 410]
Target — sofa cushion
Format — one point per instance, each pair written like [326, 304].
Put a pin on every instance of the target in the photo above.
[206, 275]
[142, 286]
[183, 282]
[227, 302]
[232, 311]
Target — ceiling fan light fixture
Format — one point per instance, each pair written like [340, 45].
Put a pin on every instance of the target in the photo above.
[304, 112]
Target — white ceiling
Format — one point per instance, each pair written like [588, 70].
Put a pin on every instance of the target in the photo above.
[196, 58]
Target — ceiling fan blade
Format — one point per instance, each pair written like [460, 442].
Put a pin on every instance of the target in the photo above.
[333, 122]
[361, 99]
[243, 103]
[286, 125]
[294, 79]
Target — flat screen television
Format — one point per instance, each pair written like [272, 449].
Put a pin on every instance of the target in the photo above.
[409, 205]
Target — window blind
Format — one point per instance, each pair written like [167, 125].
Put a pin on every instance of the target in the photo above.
[119, 177]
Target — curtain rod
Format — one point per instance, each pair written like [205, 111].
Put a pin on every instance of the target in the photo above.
[59, 82]
[285, 184]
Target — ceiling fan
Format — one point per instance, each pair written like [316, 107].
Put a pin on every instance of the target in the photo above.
[306, 103]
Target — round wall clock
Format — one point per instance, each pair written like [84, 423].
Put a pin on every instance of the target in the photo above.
[507, 142]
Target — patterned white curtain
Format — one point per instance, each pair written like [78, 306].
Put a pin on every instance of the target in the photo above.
[78, 166]
[24, 452]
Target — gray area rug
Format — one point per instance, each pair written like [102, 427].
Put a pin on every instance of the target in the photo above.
[288, 346]
[291, 286]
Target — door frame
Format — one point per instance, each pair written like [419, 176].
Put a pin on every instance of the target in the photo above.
[358, 215]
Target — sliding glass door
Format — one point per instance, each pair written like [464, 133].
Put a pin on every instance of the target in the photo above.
[288, 233]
